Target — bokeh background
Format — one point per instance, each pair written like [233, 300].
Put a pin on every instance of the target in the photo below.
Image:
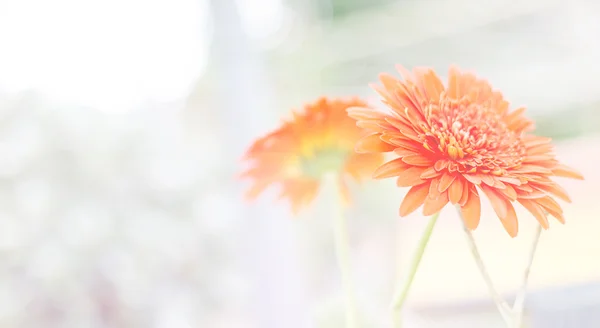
[121, 127]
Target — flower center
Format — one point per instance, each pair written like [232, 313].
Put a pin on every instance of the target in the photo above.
[323, 161]
[474, 136]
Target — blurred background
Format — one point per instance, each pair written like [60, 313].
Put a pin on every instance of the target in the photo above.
[121, 127]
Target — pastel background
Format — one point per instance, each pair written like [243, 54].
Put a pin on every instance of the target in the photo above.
[122, 124]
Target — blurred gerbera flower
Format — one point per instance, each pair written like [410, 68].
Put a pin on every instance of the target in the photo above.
[316, 141]
[456, 140]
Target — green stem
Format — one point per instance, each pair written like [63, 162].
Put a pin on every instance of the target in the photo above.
[402, 292]
[503, 307]
[519, 305]
[340, 234]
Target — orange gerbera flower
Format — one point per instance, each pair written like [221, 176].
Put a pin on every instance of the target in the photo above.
[318, 140]
[453, 141]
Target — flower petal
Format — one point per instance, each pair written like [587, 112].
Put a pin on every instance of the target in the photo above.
[390, 169]
[414, 199]
[566, 172]
[441, 164]
[372, 125]
[498, 201]
[465, 193]
[430, 173]
[453, 83]
[530, 168]
[433, 206]
[410, 177]
[537, 212]
[361, 166]
[552, 207]
[471, 210]
[510, 222]
[401, 152]
[433, 86]
[373, 144]
[554, 189]
[418, 160]
[509, 192]
[433, 188]
[474, 179]
[455, 191]
[363, 113]
[445, 181]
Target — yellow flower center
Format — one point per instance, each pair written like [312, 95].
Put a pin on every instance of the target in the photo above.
[323, 161]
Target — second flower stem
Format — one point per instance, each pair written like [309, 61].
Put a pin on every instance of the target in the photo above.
[340, 234]
[503, 307]
[519, 305]
[403, 289]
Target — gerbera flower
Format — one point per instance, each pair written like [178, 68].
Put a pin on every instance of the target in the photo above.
[458, 140]
[318, 140]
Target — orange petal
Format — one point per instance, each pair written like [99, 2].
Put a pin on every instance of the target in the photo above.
[390, 169]
[558, 216]
[257, 188]
[430, 173]
[530, 168]
[510, 222]
[441, 164]
[455, 191]
[533, 159]
[540, 149]
[433, 206]
[498, 201]
[531, 141]
[509, 192]
[433, 85]
[510, 180]
[445, 181]
[372, 144]
[471, 210]
[410, 177]
[537, 212]
[549, 204]
[566, 172]
[388, 98]
[389, 82]
[487, 179]
[361, 113]
[465, 193]
[401, 152]
[360, 166]
[303, 194]
[453, 83]
[408, 145]
[417, 160]
[555, 190]
[372, 125]
[433, 188]
[552, 207]
[514, 115]
[474, 179]
[410, 134]
[414, 198]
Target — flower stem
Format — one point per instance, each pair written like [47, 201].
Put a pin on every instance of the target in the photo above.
[519, 305]
[503, 307]
[340, 234]
[402, 292]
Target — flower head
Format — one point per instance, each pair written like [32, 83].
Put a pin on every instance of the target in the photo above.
[458, 140]
[316, 141]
